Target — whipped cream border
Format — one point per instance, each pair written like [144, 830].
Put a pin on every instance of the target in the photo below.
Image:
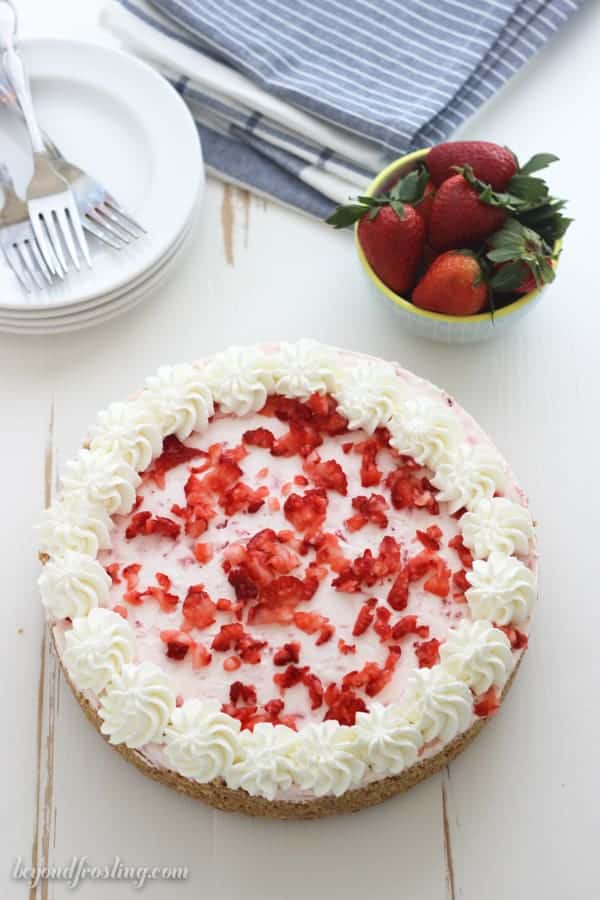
[136, 702]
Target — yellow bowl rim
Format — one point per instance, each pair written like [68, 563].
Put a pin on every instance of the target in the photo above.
[371, 191]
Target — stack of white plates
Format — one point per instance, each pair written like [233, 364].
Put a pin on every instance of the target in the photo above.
[123, 123]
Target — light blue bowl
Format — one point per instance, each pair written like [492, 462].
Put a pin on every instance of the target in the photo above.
[435, 326]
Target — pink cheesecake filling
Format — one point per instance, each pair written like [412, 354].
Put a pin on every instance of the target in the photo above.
[292, 570]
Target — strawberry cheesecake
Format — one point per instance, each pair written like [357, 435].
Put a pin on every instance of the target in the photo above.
[288, 579]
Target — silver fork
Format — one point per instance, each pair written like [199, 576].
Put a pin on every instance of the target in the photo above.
[50, 200]
[18, 241]
[100, 213]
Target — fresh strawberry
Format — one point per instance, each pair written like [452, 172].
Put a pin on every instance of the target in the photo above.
[491, 163]
[459, 218]
[425, 205]
[393, 246]
[452, 285]
[391, 235]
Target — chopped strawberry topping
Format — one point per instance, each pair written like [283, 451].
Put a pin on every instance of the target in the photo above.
[203, 552]
[307, 512]
[241, 498]
[113, 571]
[292, 676]
[259, 437]
[459, 580]
[310, 622]
[301, 439]
[518, 639]
[344, 648]
[244, 692]
[198, 609]
[368, 509]
[228, 637]
[121, 610]
[174, 454]
[409, 490]
[328, 474]
[145, 523]
[398, 595]
[464, 554]
[131, 575]
[201, 657]
[364, 618]
[325, 415]
[178, 643]
[250, 649]
[487, 704]
[382, 623]
[427, 653]
[439, 582]
[289, 653]
[221, 477]
[408, 625]
[245, 588]
[431, 537]
[420, 565]
[368, 569]
[330, 553]
[315, 689]
[372, 678]
[232, 663]
[370, 475]
[343, 705]
[279, 599]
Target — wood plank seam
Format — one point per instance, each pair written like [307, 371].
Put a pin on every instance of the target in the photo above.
[450, 882]
[44, 826]
[232, 194]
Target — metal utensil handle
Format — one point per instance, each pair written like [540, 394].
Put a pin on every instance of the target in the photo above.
[16, 74]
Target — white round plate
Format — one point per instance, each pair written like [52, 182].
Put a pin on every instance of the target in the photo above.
[120, 120]
[98, 316]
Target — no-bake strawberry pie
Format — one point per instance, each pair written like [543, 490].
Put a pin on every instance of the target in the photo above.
[288, 579]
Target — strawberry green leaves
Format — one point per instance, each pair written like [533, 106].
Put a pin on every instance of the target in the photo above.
[518, 252]
[409, 189]
[527, 199]
[537, 162]
[547, 220]
[348, 215]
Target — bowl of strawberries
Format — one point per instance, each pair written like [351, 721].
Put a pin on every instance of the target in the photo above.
[458, 238]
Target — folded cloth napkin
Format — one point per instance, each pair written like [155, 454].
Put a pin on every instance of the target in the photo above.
[305, 101]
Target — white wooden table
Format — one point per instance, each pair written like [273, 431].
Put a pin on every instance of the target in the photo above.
[517, 816]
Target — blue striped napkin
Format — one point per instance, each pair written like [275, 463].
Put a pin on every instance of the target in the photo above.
[305, 101]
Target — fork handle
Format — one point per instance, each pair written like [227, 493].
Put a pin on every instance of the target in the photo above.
[16, 74]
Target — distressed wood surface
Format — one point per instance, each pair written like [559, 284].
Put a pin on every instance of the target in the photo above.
[516, 816]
